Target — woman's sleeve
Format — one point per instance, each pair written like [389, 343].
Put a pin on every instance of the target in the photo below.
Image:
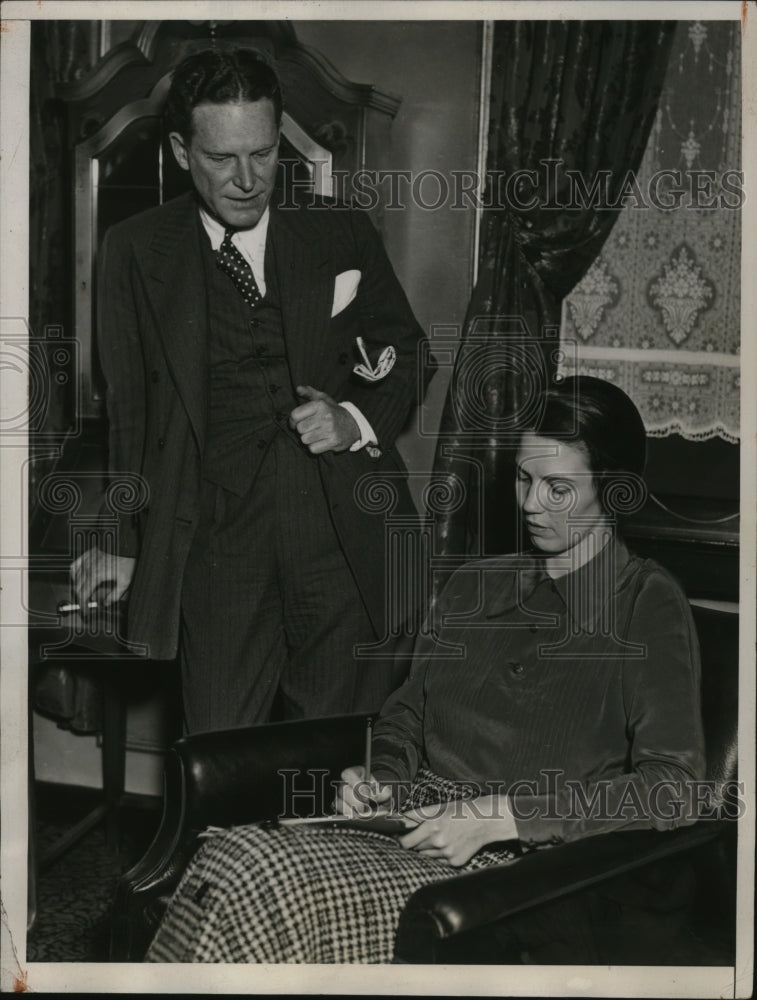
[398, 744]
[661, 695]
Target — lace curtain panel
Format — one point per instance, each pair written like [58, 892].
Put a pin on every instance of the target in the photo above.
[658, 311]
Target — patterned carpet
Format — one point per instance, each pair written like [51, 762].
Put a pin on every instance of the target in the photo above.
[75, 893]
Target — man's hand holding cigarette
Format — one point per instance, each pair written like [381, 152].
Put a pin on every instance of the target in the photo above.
[101, 576]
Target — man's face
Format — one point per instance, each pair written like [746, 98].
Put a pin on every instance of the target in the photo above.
[232, 158]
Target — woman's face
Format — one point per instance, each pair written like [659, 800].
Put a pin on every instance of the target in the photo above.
[556, 493]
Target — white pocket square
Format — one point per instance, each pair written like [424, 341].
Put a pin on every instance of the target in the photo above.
[385, 363]
[345, 290]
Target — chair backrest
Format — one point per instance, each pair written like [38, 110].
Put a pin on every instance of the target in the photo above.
[719, 644]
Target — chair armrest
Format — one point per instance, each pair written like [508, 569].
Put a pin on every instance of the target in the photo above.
[237, 776]
[225, 779]
[437, 912]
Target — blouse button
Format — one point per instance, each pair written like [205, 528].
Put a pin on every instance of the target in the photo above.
[515, 667]
[533, 628]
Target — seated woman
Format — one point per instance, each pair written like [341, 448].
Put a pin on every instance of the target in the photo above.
[557, 697]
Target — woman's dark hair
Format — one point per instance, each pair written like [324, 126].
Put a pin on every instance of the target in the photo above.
[603, 419]
[226, 76]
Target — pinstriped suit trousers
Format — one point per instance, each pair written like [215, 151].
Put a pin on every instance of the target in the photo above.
[270, 606]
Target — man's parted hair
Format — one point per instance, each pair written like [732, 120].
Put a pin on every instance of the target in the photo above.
[214, 76]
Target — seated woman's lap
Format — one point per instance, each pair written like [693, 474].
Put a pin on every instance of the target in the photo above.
[295, 894]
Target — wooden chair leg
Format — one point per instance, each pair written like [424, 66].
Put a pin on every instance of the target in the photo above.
[113, 760]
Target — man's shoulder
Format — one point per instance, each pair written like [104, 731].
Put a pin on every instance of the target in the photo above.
[141, 226]
[306, 201]
[323, 214]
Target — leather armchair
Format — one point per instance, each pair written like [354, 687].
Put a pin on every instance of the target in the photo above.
[225, 779]
[234, 777]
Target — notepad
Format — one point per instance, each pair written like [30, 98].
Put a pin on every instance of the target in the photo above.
[389, 823]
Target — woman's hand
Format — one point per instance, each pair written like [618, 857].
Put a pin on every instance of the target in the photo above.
[454, 831]
[361, 795]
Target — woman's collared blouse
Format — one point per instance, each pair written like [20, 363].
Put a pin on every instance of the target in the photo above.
[577, 697]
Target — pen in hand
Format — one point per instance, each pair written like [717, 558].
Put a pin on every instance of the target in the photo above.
[372, 786]
[377, 796]
[368, 738]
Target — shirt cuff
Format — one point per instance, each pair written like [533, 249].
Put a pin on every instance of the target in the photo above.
[367, 435]
[537, 821]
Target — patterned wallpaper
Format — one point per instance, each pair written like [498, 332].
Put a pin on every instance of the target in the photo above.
[658, 312]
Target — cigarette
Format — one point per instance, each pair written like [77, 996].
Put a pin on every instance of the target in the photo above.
[65, 607]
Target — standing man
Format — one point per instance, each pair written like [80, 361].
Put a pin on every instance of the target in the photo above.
[228, 333]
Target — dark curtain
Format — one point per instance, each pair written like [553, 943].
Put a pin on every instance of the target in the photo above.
[61, 52]
[49, 194]
[572, 105]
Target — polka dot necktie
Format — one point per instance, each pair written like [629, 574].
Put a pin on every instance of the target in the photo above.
[230, 260]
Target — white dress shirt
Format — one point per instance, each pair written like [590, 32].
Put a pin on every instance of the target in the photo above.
[251, 244]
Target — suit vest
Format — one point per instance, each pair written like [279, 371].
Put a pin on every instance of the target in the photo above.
[250, 388]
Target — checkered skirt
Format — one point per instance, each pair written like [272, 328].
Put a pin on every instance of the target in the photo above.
[303, 894]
